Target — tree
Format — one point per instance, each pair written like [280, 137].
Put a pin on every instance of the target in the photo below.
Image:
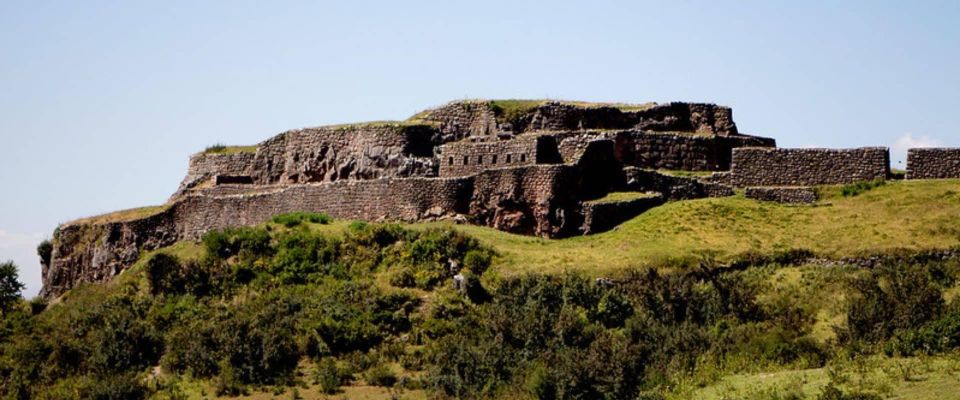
[10, 286]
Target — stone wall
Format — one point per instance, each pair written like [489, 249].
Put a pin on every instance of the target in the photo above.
[326, 154]
[786, 195]
[366, 151]
[469, 158]
[933, 163]
[672, 187]
[806, 167]
[204, 166]
[461, 119]
[537, 200]
[681, 151]
[603, 216]
[484, 119]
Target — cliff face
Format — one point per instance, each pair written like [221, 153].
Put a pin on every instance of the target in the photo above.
[520, 166]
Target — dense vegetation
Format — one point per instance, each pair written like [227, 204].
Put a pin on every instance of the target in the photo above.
[293, 309]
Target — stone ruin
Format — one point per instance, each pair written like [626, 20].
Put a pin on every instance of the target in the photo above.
[546, 168]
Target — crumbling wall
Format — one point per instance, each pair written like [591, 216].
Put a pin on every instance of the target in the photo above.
[681, 151]
[933, 163]
[366, 151]
[95, 252]
[85, 252]
[806, 167]
[205, 166]
[603, 216]
[536, 200]
[672, 187]
[786, 195]
[484, 119]
[461, 119]
[686, 117]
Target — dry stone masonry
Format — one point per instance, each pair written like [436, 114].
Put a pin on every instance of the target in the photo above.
[534, 167]
[786, 195]
[933, 163]
[753, 166]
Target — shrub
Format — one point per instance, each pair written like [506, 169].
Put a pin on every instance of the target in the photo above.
[163, 274]
[857, 188]
[291, 220]
[301, 254]
[908, 298]
[251, 241]
[228, 383]
[215, 148]
[478, 260]
[380, 375]
[327, 375]
[45, 251]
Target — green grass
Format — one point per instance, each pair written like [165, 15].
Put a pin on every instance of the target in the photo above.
[855, 189]
[377, 124]
[222, 149]
[686, 174]
[616, 197]
[907, 214]
[928, 378]
[123, 215]
[511, 109]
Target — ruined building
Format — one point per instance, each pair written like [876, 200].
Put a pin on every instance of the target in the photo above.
[545, 168]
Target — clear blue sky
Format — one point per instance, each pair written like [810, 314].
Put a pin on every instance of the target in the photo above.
[101, 103]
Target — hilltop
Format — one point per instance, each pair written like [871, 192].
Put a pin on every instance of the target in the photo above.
[532, 249]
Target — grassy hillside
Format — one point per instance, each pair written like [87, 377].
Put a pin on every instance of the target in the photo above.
[900, 214]
[305, 307]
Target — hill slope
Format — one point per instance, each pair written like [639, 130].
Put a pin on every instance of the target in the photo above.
[304, 307]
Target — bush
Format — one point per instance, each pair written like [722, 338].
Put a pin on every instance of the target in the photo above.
[253, 242]
[907, 299]
[126, 386]
[327, 375]
[215, 148]
[380, 375]
[857, 188]
[291, 220]
[163, 274]
[45, 251]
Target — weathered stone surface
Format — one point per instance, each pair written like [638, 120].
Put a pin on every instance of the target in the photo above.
[204, 167]
[541, 166]
[326, 154]
[933, 163]
[603, 216]
[470, 158]
[786, 195]
[482, 119]
[805, 167]
[673, 187]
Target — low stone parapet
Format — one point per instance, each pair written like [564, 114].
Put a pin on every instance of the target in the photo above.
[785, 195]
